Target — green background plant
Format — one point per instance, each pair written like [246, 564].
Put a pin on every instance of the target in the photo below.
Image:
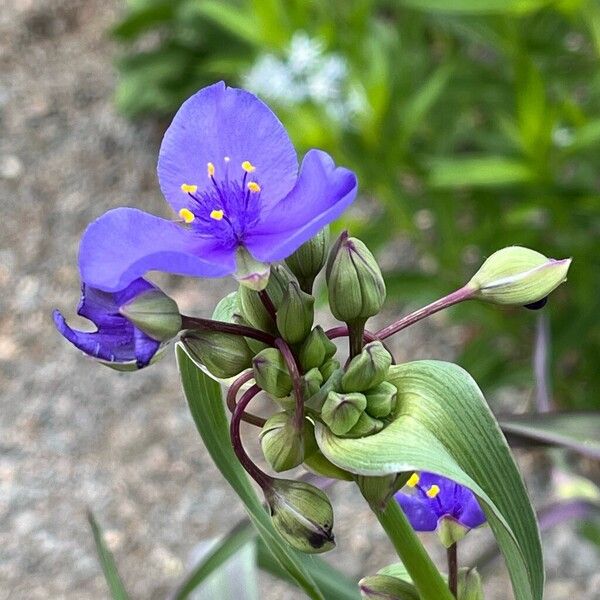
[481, 130]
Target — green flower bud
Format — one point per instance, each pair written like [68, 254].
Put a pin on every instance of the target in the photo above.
[311, 383]
[155, 313]
[518, 276]
[228, 309]
[365, 426]
[386, 587]
[333, 384]
[223, 354]
[295, 314]
[252, 308]
[306, 262]
[329, 368]
[368, 369]
[271, 373]
[381, 400]
[316, 349]
[249, 272]
[302, 514]
[470, 586]
[354, 281]
[341, 412]
[317, 463]
[283, 445]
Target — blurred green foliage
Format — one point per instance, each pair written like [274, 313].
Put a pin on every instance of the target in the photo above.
[479, 128]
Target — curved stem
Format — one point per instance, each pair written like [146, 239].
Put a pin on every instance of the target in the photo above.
[268, 304]
[223, 327]
[264, 481]
[452, 554]
[232, 393]
[292, 366]
[427, 579]
[368, 336]
[464, 293]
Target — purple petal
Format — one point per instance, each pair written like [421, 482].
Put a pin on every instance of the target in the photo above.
[418, 512]
[471, 515]
[219, 122]
[114, 343]
[125, 243]
[320, 195]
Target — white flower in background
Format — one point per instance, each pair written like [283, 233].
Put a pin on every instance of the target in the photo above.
[308, 73]
[304, 53]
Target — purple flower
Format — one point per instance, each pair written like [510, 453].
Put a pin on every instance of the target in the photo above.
[230, 173]
[440, 504]
[116, 342]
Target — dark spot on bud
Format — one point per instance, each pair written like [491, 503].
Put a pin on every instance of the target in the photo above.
[537, 305]
[320, 538]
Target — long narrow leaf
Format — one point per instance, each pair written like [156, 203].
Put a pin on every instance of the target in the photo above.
[206, 405]
[333, 584]
[107, 562]
[578, 431]
[237, 538]
[445, 426]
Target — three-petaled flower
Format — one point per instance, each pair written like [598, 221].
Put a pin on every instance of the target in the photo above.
[117, 342]
[440, 504]
[229, 171]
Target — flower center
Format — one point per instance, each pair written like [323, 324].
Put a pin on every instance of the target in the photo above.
[228, 207]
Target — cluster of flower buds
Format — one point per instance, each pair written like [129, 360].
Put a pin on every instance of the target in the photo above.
[269, 336]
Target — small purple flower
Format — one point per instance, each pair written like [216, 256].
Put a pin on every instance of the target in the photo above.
[117, 342]
[229, 171]
[440, 504]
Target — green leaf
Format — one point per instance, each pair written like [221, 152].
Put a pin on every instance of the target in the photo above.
[232, 543]
[107, 561]
[578, 431]
[444, 425]
[241, 24]
[332, 583]
[481, 171]
[206, 405]
[478, 6]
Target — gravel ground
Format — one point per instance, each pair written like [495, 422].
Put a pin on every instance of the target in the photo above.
[75, 435]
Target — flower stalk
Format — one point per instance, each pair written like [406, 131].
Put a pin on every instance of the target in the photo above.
[232, 393]
[452, 555]
[292, 366]
[223, 327]
[460, 295]
[427, 579]
[262, 479]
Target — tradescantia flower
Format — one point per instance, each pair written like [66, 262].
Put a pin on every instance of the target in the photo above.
[440, 504]
[117, 342]
[230, 173]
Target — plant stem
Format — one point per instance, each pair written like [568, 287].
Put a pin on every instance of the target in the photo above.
[452, 553]
[464, 293]
[356, 332]
[427, 579]
[292, 366]
[264, 481]
[232, 393]
[223, 327]
[268, 304]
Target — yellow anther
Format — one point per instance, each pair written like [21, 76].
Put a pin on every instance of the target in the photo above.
[217, 215]
[248, 166]
[253, 186]
[433, 491]
[210, 168]
[413, 480]
[188, 189]
[186, 214]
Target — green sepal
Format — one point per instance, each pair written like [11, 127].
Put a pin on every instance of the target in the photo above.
[368, 369]
[342, 411]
